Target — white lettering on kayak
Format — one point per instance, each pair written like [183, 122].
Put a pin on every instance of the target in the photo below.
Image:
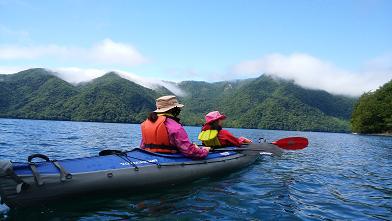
[139, 162]
[225, 153]
[265, 153]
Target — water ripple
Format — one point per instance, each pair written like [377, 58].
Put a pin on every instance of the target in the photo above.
[339, 177]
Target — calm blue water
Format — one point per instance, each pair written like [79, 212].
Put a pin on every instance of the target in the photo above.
[338, 177]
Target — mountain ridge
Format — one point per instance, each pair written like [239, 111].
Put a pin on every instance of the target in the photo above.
[259, 95]
[263, 102]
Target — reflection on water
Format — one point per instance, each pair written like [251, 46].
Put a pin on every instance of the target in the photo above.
[340, 176]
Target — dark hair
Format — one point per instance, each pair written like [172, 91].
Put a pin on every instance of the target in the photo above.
[215, 126]
[174, 111]
[152, 117]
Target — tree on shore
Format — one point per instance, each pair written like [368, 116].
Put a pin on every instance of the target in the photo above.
[373, 111]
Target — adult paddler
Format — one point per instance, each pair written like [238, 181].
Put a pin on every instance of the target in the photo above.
[162, 132]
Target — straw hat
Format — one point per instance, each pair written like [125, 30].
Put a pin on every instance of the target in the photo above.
[166, 103]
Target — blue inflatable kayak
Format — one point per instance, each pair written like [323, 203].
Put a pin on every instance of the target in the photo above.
[42, 180]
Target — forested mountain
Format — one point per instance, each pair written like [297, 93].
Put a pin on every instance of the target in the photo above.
[271, 103]
[263, 102]
[373, 111]
[38, 94]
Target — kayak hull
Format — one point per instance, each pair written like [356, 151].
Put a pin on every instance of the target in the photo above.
[131, 177]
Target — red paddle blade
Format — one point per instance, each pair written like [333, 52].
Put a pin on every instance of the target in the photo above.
[292, 143]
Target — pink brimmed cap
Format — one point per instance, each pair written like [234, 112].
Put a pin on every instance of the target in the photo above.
[213, 116]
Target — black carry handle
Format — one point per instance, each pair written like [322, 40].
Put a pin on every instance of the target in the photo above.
[64, 175]
[37, 176]
[38, 155]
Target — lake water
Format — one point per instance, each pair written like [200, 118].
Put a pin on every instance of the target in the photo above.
[338, 177]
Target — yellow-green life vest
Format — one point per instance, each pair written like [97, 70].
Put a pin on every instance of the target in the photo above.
[209, 138]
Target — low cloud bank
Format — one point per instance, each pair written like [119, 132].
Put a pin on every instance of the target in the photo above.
[106, 52]
[77, 75]
[306, 70]
[311, 72]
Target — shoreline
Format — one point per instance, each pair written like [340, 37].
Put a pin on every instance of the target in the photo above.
[386, 134]
[344, 132]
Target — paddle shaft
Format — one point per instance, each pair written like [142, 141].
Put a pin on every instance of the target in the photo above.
[238, 149]
[269, 149]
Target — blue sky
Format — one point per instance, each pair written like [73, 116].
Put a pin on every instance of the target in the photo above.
[308, 41]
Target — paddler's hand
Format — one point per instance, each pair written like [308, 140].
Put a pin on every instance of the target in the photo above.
[245, 140]
[203, 148]
[207, 148]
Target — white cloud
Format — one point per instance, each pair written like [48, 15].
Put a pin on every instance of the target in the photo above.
[77, 75]
[11, 69]
[312, 72]
[15, 52]
[110, 52]
[105, 52]
[173, 87]
[379, 64]
[305, 70]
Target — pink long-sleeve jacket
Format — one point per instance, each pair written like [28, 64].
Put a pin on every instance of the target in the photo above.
[179, 138]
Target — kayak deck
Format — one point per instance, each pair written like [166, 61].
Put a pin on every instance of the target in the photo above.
[135, 158]
[34, 183]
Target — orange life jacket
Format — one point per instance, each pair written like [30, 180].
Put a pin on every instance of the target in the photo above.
[156, 137]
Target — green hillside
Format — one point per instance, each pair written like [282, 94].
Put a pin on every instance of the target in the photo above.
[373, 111]
[263, 102]
[38, 94]
[111, 98]
[271, 103]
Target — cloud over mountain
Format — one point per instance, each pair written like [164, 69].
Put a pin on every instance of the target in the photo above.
[311, 72]
[306, 70]
[78, 75]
